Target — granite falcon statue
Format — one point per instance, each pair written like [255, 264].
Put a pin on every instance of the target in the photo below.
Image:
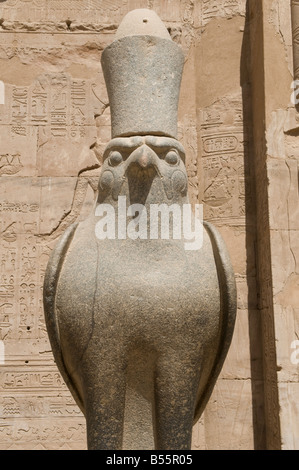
[142, 319]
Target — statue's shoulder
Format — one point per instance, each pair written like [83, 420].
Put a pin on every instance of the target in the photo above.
[49, 294]
[53, 269]
[217, 243]
[228, 299]
[222, 257]
[59, 252]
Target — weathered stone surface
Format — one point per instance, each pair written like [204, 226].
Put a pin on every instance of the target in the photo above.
[140, 325]
[276, 162]
[42, 39]
[237, 396]
[130, 69]
[39, 76]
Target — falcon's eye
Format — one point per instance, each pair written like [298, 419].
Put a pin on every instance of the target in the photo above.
[115, 158]
[172, 157]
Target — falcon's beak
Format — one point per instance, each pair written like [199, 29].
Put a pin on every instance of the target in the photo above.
[145, 157]
[144, 161]
[149, 165]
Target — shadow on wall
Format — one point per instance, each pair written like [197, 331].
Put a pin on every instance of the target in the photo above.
[254, 321]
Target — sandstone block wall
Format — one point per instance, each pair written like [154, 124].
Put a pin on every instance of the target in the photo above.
[239, 128]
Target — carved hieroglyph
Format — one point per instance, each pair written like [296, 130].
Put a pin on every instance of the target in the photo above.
[222, 159]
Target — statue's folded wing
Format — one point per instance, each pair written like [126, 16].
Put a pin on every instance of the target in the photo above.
[228, 305]
[50, 285]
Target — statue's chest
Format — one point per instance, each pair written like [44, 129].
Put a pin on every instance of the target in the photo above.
[135, 269]
[138, 289]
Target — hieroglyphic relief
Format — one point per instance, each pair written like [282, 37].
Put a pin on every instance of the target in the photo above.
[37, 406]
[54, 100]
[51, 118]
[71, 15]
[57, 10]
[188, 136]
[37, 435]
[28, 370]
[58, 104]
[223, 160]
[48, 129]
[38, 398]
[21, 274]
[221, 8]
[10, 163]
[33, 380]
[19, 111]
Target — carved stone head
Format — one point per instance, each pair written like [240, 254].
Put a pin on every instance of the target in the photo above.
[143, 70]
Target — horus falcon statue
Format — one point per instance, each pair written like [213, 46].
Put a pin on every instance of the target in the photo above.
[140, 325]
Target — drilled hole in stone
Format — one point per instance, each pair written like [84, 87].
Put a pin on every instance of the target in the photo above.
[28, 328]
[26, 362]
[145, 20]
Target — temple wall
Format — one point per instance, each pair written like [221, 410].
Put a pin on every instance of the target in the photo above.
[239, 128]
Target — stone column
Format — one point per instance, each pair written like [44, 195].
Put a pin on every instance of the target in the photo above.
[226, 192]
[276, 159]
